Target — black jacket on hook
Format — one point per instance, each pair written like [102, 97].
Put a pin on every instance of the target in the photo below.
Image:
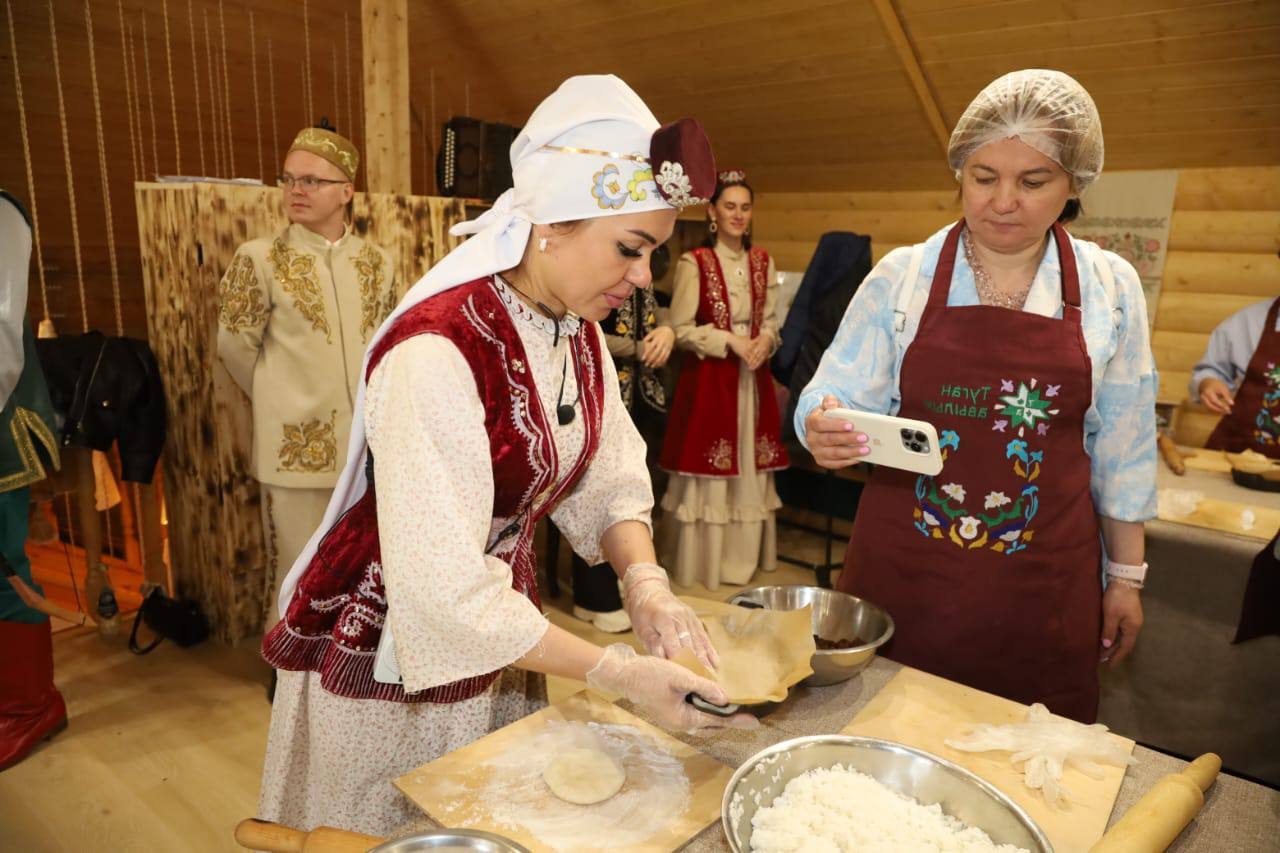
[107, 389]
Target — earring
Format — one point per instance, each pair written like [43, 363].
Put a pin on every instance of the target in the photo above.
[542, 244]
[713, 228]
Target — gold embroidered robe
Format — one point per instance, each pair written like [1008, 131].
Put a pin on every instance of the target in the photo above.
[294, 315]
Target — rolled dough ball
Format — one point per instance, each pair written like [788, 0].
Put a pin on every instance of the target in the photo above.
[584, 776]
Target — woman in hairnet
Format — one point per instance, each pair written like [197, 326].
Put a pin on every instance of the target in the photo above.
[1029, 352]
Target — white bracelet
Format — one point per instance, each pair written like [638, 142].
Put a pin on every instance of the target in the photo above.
[1134, 576]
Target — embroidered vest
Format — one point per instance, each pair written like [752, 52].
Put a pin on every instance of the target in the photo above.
[338, 612]
[702, 432]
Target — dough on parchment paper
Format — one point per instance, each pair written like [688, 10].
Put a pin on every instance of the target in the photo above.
[584, 776]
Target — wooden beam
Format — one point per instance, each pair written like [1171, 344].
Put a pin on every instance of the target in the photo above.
[385, 31]
[897, 34]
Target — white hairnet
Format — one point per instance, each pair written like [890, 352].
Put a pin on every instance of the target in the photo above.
[1047, 110]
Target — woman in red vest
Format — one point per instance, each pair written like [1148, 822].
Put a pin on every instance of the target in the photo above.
[723, 439]
[411, 624]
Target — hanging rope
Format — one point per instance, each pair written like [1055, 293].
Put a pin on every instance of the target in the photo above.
[346, 46]
[306, 64]
[102, 167]
[132, 71]
[226, 95]
[173, 100]
[271, 78]
[26, 157]
[195, 79]
[336, 107]
[128, 93]
[257, 111]
[66, 158]
[215, 129]
[151, 101]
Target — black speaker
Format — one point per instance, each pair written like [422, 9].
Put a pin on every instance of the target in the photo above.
[475, 158]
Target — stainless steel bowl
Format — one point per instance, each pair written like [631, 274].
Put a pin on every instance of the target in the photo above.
[836, 616]
[451, 840]
[927, 778]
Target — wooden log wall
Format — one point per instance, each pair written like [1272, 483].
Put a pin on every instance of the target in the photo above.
[188, 234]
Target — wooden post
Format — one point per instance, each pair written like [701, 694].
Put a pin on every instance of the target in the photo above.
[893, 28]
[385, 30]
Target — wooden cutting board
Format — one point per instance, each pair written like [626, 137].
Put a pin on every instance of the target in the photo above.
[671, 794]
[922, 710]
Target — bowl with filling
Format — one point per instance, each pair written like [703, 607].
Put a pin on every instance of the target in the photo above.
[844, 793]
[847, 630]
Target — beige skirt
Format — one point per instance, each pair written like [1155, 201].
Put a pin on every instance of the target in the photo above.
[721, 529]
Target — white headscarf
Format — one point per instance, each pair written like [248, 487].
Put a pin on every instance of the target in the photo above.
[582, 154]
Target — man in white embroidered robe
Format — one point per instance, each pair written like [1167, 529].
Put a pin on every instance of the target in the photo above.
[295, 311]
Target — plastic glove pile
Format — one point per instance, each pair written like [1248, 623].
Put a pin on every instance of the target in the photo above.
[1047, 744]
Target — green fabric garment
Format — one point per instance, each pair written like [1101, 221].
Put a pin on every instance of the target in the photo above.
[13, 537]
[28, 445]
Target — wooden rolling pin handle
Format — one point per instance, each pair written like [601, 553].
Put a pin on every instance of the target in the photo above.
[1204, 770]
[276, 838]
[1172, 456]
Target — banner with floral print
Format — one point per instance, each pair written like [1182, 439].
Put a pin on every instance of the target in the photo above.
[1129, 213]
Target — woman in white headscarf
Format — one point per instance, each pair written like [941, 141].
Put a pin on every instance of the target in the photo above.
[1029, 351]
[488, 402]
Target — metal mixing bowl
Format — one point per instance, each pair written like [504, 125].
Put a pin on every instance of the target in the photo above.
[836, 616]
[448, 840]
[927, 778]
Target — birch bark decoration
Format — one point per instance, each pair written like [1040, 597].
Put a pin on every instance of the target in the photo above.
[257, 110]
[66, 157]
[128, 92]
[173, 100]
[46, 323]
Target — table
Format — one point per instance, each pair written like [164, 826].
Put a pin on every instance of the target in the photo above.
[1239, 816]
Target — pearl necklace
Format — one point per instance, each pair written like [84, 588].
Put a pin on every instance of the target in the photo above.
[988, 293]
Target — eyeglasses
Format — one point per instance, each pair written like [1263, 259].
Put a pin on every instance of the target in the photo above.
[308, 183]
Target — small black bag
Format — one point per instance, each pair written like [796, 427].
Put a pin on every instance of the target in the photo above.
[174, 619]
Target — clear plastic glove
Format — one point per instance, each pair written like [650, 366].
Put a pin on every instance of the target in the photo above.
[660, 687]
[664, 623]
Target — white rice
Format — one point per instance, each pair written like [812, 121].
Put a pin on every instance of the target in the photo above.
[833, 810]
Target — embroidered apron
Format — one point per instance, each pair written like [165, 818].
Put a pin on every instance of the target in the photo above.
[991, 569]
[1254, 422]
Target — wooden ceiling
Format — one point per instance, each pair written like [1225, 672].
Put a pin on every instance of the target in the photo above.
[811, 94]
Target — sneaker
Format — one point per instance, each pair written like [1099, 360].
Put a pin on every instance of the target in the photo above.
[613, 622]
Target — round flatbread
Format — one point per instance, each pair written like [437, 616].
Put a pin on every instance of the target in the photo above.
[584, 776]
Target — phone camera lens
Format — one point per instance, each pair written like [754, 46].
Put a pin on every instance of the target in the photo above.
[921, 436]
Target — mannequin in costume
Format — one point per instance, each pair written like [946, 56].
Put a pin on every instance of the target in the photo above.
[723, 438]
[1239, 378]
[295, 312]
[488, 402]
[640, 344]
[1029, 352]
[31, 708]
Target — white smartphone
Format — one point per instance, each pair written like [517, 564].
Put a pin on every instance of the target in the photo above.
[902, 443]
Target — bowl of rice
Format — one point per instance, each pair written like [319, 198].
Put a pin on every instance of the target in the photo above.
[847, 630]
[843, 793]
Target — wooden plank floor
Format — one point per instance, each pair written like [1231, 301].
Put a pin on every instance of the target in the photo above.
[164, 752]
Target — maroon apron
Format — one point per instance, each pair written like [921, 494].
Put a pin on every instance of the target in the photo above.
[992, 569]
[1254, 422]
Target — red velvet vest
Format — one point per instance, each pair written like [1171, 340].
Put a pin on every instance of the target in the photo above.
[702, 431]
[336, 616]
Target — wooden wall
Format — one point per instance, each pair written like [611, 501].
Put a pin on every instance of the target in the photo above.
[189, 234]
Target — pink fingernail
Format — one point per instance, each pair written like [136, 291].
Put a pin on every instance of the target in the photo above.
[1106, 644]
[847, 426]
[862, 437]
[863, 451]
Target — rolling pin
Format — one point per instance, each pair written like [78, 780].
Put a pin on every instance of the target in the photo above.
[276, 838]
[1151, 824]
[1171, 455]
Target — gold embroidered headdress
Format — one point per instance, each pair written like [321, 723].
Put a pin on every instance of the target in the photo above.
[338, 150]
